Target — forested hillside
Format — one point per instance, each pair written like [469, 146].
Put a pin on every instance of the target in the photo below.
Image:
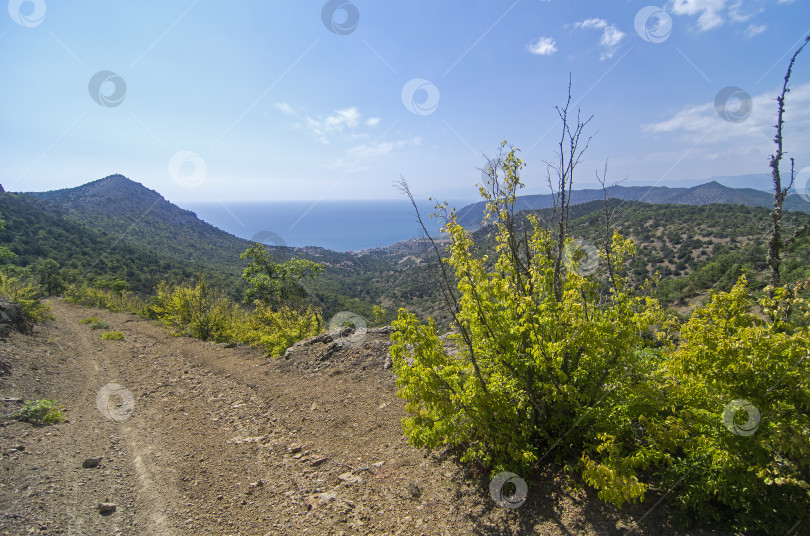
[116, 227]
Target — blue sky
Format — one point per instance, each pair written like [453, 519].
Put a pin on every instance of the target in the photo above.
[253, 100]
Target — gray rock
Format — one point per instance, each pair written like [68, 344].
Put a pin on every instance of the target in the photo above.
[107, 508]
[12, 318]
[92, 462]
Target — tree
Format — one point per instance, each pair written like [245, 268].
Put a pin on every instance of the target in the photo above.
[777, 246]
[541, 338]
[50, 277]
[276, 284]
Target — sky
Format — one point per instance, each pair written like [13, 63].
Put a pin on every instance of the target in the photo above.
[208, 101]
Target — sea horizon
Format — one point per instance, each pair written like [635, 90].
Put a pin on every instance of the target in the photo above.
[335, 225]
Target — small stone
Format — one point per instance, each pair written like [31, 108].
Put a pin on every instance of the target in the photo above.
[350, 478]
[92, 462]
[107, 508]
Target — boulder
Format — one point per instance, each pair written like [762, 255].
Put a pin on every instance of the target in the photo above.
[12, 318]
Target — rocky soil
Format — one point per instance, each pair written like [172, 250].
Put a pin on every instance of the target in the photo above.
[173, 436]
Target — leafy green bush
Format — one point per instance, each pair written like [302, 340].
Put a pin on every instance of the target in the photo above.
[89, 320]
[112, 336]
[19, 288]
[540, 345]
[40, 411]
[198, 311]
[275, 331]
[118, 301]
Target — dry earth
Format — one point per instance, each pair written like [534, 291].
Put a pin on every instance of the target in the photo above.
[226, 441]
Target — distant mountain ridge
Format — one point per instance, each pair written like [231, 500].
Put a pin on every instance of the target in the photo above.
[126, 209]
[705, 194]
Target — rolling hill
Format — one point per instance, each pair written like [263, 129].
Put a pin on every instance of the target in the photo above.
[705, 194]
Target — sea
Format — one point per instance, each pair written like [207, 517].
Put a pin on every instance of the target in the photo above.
[335, 225]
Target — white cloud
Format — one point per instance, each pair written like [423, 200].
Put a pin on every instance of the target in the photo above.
[285, 108]
[755, 29]
[694, 122]
[369, 151]
[544, 46]
[611, 35]
[372, 121]
[340, 120]
[710, 11]
[592, 23]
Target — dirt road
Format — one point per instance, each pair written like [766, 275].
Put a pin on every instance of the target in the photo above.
[196, 438]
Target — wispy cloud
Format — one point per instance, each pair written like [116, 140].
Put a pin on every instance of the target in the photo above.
[285, 108]
[544, 46]
[709, 11]
[611, 35]
[755, 29]
[695, 120]
[370, 151]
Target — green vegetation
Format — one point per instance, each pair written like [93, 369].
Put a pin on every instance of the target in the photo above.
[277, 284]
[561, 350]
[112, 336]
[566, 343]
[40, 412]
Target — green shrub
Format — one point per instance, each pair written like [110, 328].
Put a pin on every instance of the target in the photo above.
[40, 411]
[90, 320]
[198, 311]
[19, 288]
[275, 331]
[112, 336]
[118, 301]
